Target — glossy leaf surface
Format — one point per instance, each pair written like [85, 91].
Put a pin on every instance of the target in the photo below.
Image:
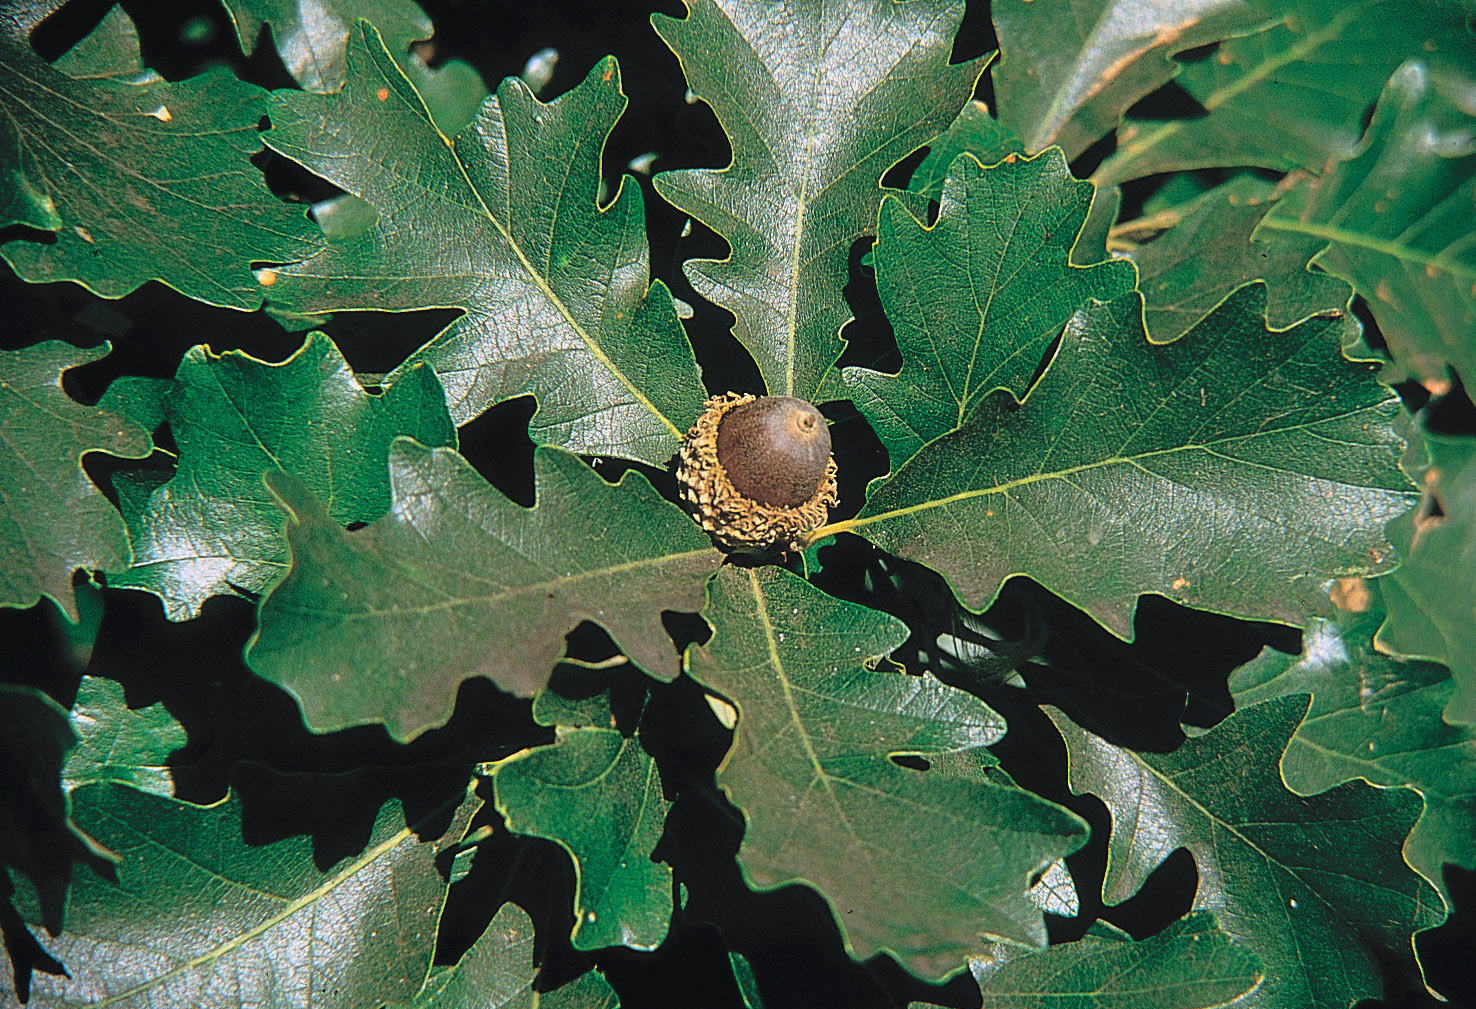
[55, 520]
[974, 132]
[199, 917]
[1191, 964]
[818, 100]
[1375, 718]
[977, 298]
[1068, 69]
[115, 168]
[1233, 469]
[1396, 218]
[312, 36]
[1432, 596]
[1191, 268]
[923, 864]
[1273, 866]
[1294, 95]
[215, 528]
[553, 287]
[117, 744]
[382, 624]
[597, 794]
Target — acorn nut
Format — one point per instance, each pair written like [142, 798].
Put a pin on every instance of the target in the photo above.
[757, 471]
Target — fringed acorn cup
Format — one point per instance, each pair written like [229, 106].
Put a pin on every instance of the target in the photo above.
[757, 471]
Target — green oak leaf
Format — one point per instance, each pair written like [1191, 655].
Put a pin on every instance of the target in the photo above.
[498, 973]
[1294, 95]
[974, 132]
[1273, 866]
[596, 793]
[818, 100]
[55, 520]
[109, 50]
[139, 398]
[553, 287]
[312, 36]
[1395, 220]
[1376, 718]
[976, 298]
[198, 917]
[39, 836]
[117, 169]
[1191, 964]
[119, 745]
[1233, 469]
[215, 529]
[1186, 272]
[1431, 598]
[927, 866]
[588, 991]
[1068, 69]
[384, 623]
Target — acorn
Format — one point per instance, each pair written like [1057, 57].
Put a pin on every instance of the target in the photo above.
[757, 471]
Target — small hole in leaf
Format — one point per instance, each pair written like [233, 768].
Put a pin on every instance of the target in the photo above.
[913, 761]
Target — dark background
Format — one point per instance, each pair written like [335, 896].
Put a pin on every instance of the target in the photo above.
[247, 735]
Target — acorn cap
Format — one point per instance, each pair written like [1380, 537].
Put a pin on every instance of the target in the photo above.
[757, 471]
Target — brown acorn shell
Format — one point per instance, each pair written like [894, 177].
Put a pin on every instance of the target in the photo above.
[728, 516]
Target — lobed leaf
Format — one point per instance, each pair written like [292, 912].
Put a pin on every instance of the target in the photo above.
[1069, 69]
[1273, 866]
[384, 623]
[596, 794]
[215, 529]
[115, 169]
[1431, 597]
[974, 132]
[553, 287]
[55, 519]
[1233, 469]
[976, 298]
[313, 38]
[498, 972]
[818, 100]
[117, 744]
[1191, 964]
[1293, 95]
[1396, 220]
[1375, 718]
[924, 865]
[199, 917]
[1215, 249]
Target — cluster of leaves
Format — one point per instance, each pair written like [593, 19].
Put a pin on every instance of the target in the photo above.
[1150, 382]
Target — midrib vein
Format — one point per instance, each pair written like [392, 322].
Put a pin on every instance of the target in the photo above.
[505, 594]
[1005, 488]
[1236, 88]
[1394, 250]
[291, 908]
[538, 279]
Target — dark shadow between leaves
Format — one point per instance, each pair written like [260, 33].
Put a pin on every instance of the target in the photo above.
[232, 717]
[26, 953]
[497, 445]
